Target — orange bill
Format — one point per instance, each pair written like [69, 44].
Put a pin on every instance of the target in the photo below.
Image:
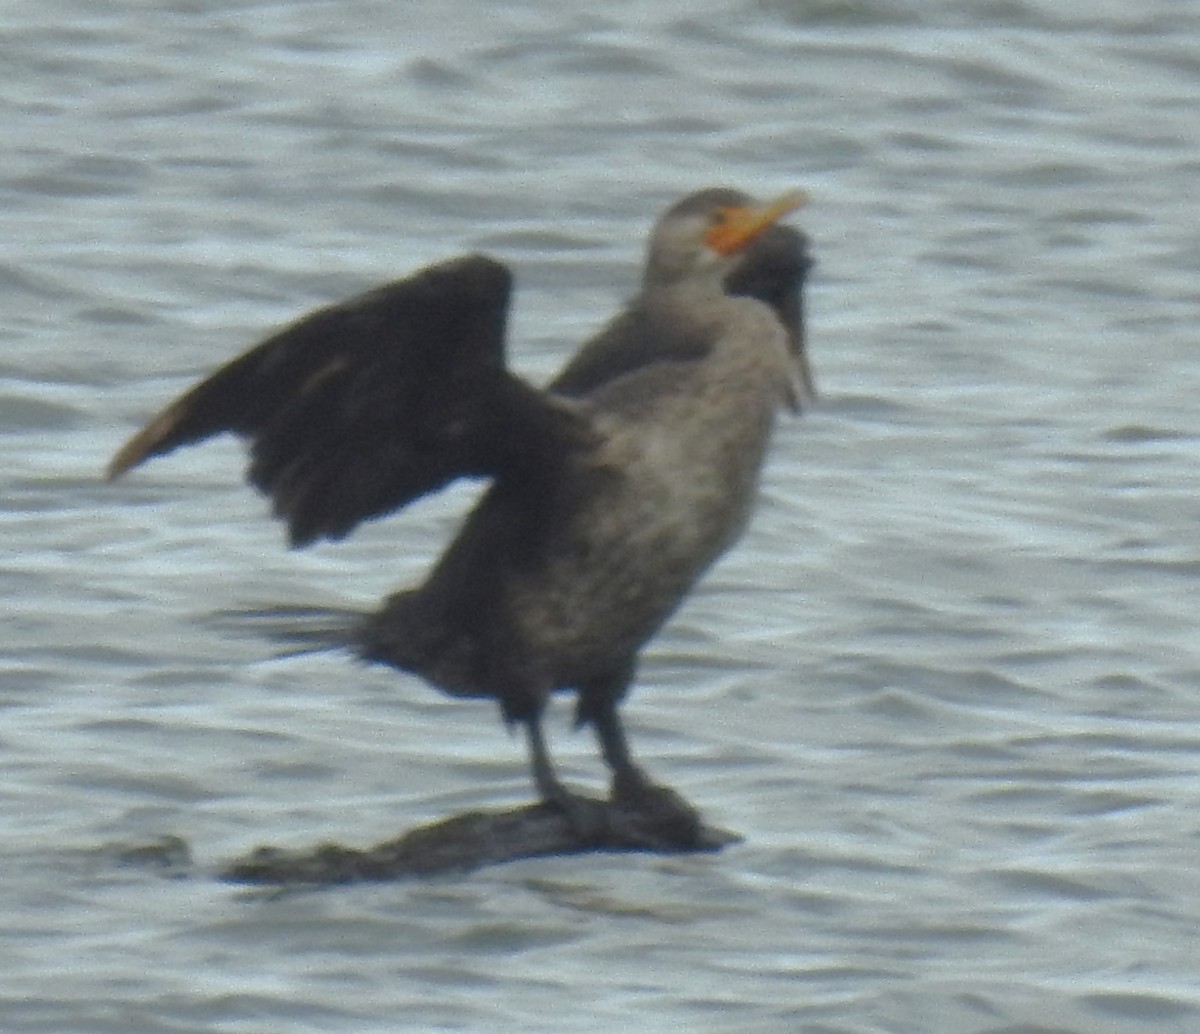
[742, 223]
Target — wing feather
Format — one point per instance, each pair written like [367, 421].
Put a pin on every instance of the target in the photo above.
[363, 406]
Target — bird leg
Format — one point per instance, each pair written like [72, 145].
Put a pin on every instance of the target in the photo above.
[628, 780]
[660, 806]
[597, 707]
[585, 815]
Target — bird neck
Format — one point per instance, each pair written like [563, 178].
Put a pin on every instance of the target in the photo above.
[706, 281]
[669, 267]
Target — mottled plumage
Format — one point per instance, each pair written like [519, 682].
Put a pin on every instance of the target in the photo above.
[612, 490]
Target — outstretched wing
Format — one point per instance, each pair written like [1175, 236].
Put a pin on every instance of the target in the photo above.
[361, 407]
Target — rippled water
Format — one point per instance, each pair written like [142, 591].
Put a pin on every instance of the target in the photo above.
[948, 687]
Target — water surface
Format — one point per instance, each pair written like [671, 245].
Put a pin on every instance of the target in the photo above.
[947, 687]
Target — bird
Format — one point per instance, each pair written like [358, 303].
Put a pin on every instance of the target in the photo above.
[612, 489]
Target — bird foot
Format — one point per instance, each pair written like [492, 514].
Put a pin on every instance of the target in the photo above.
[654, 813]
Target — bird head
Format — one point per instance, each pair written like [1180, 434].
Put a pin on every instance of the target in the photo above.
[708, 231]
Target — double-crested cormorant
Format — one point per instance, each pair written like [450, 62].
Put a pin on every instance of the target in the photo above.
[612, 490]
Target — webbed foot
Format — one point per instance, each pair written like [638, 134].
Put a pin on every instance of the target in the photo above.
[657, 813]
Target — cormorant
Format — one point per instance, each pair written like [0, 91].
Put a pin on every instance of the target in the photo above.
[612, 490]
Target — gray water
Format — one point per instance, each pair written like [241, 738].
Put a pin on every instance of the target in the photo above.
[948, 688]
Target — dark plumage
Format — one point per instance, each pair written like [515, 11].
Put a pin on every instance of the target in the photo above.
[612, 490]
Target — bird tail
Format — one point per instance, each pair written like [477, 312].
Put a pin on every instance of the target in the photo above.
[298, 630]
[412, 633]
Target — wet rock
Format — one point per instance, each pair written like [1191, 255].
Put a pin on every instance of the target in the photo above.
[475, 839]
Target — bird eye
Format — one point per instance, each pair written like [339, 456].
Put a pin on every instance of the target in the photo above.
[719, 216]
